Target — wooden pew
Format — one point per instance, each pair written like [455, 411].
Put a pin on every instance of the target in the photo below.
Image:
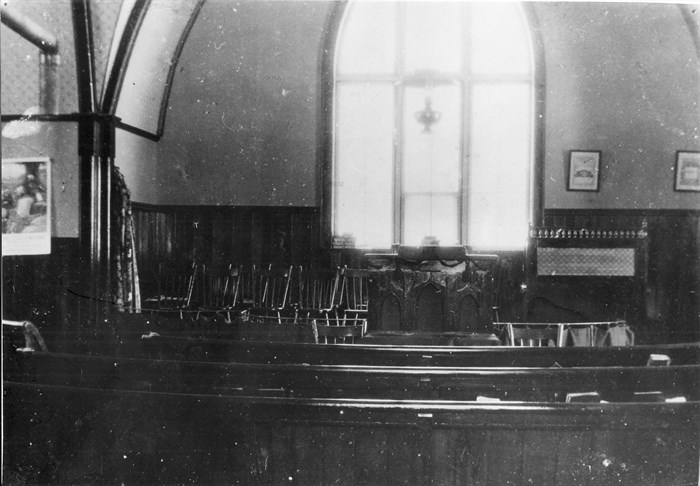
[222, 347]
[167, 347]
[79, 435]
[617, 384]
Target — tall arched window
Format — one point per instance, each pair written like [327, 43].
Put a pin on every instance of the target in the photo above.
[432, 124]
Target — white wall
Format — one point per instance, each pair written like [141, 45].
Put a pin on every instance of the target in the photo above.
[243, 123]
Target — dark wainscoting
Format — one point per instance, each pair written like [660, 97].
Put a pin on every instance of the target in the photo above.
[45, 289]
[669, 305]
[669, 310]
[225, 234]
[221, 234]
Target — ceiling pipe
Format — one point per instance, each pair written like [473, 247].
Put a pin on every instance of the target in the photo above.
[49, 60]
[29, 30]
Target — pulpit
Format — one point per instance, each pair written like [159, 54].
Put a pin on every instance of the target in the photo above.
[431, 289]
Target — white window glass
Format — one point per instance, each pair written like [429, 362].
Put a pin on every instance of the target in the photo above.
[367, 44]
[432, 36]
[499, 165]
[499, 42]
[363, 179]
[409, 75]
[431, 164]
[435, 215]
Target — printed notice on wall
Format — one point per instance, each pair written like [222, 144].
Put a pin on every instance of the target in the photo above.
[26, 206]
[603, 262]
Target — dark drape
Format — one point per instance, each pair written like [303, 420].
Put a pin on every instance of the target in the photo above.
[125, 270]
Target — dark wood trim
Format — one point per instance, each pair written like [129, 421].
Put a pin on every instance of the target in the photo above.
[536, 213]
[173, 66]
[138, 131]
[84, 56]
[166, 208]
[70, 117]
[623, 212]
[325, 127]
[126, 45]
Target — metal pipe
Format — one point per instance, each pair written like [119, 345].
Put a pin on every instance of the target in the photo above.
[29, 30]
[48, 82]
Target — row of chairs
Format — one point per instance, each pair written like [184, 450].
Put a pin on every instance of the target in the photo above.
[267, 293]
[607, 333]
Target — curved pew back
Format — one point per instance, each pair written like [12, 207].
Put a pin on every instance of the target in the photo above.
[384, 355]
[352, 381]
[178, 438]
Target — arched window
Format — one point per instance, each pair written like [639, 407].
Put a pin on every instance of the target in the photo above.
[433, 117]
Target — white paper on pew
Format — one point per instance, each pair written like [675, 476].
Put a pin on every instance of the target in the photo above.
[658, 360]
[676, 400]
[583, 397]
[487, 399]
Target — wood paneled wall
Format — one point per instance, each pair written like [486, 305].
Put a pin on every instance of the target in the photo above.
[670, 309]
[221, 234]
[45, 289]
[670, 306]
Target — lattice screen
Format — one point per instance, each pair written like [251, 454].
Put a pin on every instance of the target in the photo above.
[612, 262]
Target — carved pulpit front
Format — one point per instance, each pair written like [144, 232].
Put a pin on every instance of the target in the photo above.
[432, 290]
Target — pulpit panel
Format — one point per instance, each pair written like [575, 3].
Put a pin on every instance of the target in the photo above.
[432, 295]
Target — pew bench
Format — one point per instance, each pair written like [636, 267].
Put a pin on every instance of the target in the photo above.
[614, 384]
[69, 435]
[173, 347]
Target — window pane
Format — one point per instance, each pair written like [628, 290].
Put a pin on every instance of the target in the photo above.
[499, 39]
[367, 39]
[432, 36]
[364, 163]
[499, 165]
[431, 215]
[431, 157]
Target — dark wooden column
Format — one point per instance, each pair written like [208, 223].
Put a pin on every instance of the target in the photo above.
[96, 160]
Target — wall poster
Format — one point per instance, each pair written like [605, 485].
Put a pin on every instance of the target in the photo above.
[26, 206]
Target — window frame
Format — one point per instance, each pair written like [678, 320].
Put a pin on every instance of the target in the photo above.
[328, 81]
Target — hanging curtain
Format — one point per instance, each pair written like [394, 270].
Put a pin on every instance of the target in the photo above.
[128, 295]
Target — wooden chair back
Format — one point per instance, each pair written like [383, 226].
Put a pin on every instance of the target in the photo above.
[176, 283]
[331, 333]
[529, 335]
[242, 284]
[215, 289]
[317, 291]
[354, 296]
[271, 290]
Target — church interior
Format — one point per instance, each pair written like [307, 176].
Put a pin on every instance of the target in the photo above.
[350, 242]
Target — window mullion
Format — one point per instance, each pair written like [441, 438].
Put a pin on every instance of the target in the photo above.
[466, 120]
[399, 129]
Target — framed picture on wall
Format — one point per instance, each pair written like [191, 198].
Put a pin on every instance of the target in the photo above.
[26, 206]
[687, 171]
[584, 170]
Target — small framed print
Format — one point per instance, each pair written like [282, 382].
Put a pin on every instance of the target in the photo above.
[26, 206]
[687, 171]
[584, 170]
